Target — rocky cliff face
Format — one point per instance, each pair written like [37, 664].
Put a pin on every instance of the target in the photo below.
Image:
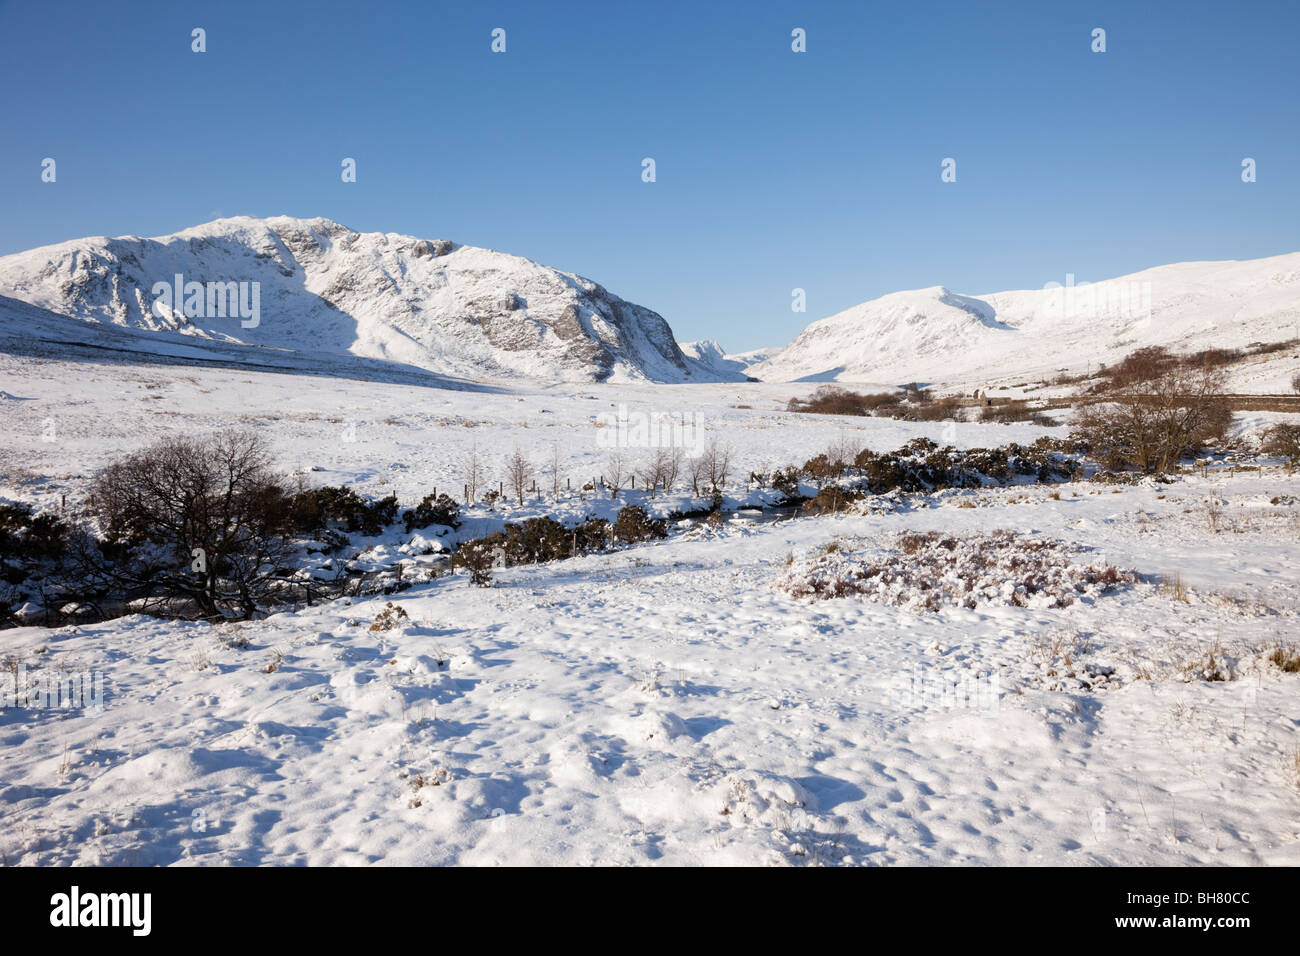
[320, 287]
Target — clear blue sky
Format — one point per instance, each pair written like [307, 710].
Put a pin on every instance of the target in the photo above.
[775, 170]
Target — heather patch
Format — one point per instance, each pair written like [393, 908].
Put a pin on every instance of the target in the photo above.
[933, 569]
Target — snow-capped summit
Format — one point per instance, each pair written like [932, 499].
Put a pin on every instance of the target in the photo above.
[937, 335]
[322, 288]
[727, 366]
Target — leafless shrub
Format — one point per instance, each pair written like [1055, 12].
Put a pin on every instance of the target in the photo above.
[1286, 658]
[1154, 411]
[669, 464]
[201, 519]
[1174, 588]
[519, 471]
[1283, 440]
[843, 451]
[471, 470]
[1213, 515]
[716, 463]
[555, 470]
[388, 618]
[199, 660]
[660, 469]
[616, 471]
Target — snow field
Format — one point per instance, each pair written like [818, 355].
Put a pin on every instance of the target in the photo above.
[668, 703]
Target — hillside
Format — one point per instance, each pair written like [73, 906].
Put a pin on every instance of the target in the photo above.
[935, 335]
[321, 288]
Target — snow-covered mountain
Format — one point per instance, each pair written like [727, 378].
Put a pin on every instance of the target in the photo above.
[727, 367]
[323, 289]
[935, 335]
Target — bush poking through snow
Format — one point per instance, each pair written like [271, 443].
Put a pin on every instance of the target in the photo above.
[277, 658]
[786, 482]
[419, 781]
[1175, 589]
[1286, 658]
[633, 525]
[1155, 409]
[931, 569]
[203, 520]
[442, 510]
[529, 542]
[1283, 440]
[922, 466]
[832, 500]
[315, 509]
[479, 556]
[388, 618]
[32, 546]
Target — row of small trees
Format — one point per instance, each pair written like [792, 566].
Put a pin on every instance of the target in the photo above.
[659, 469]
[706, 469]
[212, 525]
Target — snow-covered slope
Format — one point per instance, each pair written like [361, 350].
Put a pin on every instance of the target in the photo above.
[937, 335]
[433, 304]
[725, 367]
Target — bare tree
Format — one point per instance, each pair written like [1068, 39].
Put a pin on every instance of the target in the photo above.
[471, 469]
[1295, 382]
[200, 519]
[660, 468]
[519, 471]
[1162, 409]
[670, 464]
[842, 452]
[649, 471]
[555, 470]
[716, 461]
[1283, 440]
[696, 470]
[617, 469]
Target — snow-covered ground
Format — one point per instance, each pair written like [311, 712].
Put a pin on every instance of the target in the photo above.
[406, 440]
[667, 703]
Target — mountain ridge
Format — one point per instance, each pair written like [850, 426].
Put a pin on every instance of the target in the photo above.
[447, 307]
[934, 334]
